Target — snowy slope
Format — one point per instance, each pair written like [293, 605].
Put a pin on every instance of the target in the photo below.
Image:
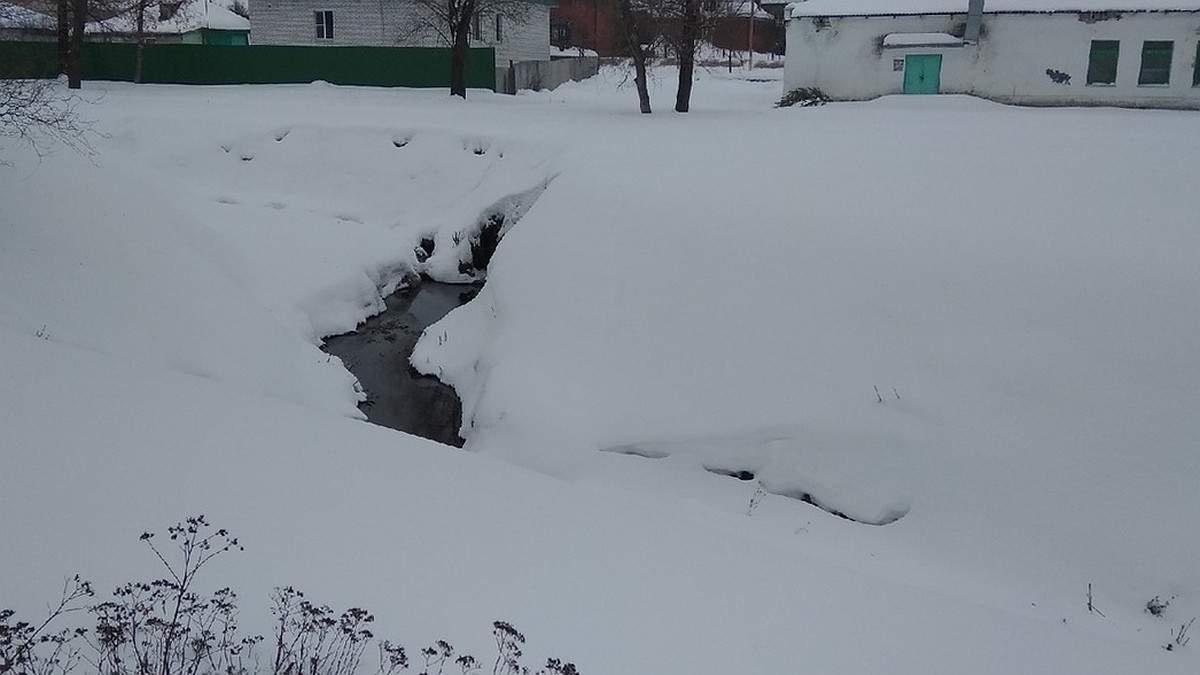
[723, 290]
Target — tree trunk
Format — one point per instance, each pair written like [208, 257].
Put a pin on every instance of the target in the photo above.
[460, 50]
[458, 65]
[79, 11]
[64, 35]
[140, 36]
[689, 30]
[633, 42]
[639, 80]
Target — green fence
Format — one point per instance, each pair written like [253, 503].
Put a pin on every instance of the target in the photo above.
[256, 64]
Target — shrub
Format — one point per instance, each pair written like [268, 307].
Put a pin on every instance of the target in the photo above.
[1157, 606]
[30, 648]
[805, 97]
[164, 627]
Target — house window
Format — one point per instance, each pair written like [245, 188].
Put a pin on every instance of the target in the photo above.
[1156, 62]
[1102, 62]
[560, 33]
[1196, 68]
[499, 28]
[324, 22]
[476, 28]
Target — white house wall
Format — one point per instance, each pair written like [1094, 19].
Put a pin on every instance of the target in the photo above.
[387, 23]
[846, 58]
[525, 41]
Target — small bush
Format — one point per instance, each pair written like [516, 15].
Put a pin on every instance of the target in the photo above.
[1157, 606]
[805, 97]
[164, 627]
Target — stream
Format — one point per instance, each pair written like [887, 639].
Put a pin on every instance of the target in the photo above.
[377, 354]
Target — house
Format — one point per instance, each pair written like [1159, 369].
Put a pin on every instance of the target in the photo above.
[396, 23]
[1136, 53]
[587, 24]
[195, 22]
[731, 27]
[595, 25]
[189, 22]
[22, 23]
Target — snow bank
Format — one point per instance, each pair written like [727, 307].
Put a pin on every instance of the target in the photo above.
[982, 317]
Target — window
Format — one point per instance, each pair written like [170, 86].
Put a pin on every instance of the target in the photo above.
[1102, 62]
[499, 28]
[476, 28]
[324, 21]
[1156, 63]
[1196, 68]
[560, 33]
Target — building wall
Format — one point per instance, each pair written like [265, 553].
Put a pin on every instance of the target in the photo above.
[528, 40]
[388, 23]
[846, 59]
[733, 33]
[592, 24]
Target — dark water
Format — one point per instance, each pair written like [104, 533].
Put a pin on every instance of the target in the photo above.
[377, 353]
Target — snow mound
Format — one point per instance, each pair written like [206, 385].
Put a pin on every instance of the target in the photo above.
[851, 474]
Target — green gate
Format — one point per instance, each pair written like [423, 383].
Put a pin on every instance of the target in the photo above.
[922, 73]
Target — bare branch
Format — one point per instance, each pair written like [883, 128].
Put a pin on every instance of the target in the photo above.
[42, 115]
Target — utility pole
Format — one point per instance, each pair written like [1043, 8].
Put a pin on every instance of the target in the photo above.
[750, 3]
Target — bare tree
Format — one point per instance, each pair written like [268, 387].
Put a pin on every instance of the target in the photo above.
[686, 23]
[690, 25]
[454, 21]
[73, 17]
[639, 42]
[39, 114]
[63, 31]
[139, 17]
[76, 20]
[139, 9]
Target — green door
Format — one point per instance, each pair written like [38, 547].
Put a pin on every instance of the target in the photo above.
[922, 73]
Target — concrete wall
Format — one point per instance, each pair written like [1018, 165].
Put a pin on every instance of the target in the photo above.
[389, 23]
[538, 75]
[844, 56]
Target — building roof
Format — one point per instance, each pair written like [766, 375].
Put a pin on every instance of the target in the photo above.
[16, 16]
[191, 16]
[907, 7]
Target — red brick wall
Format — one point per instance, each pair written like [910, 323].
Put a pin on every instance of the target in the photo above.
[593, 25]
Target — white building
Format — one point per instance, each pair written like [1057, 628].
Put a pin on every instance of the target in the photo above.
[1141, 53]
[394, 23]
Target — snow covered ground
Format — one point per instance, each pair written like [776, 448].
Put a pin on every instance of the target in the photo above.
[973, 323]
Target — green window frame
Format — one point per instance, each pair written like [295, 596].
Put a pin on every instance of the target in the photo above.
[1102, 62]
[1196, 67]
[1156, 63]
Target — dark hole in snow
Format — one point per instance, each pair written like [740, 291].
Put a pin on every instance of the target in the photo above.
[483, 246]
[732, 473]
[377, 354]
[424, 249]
